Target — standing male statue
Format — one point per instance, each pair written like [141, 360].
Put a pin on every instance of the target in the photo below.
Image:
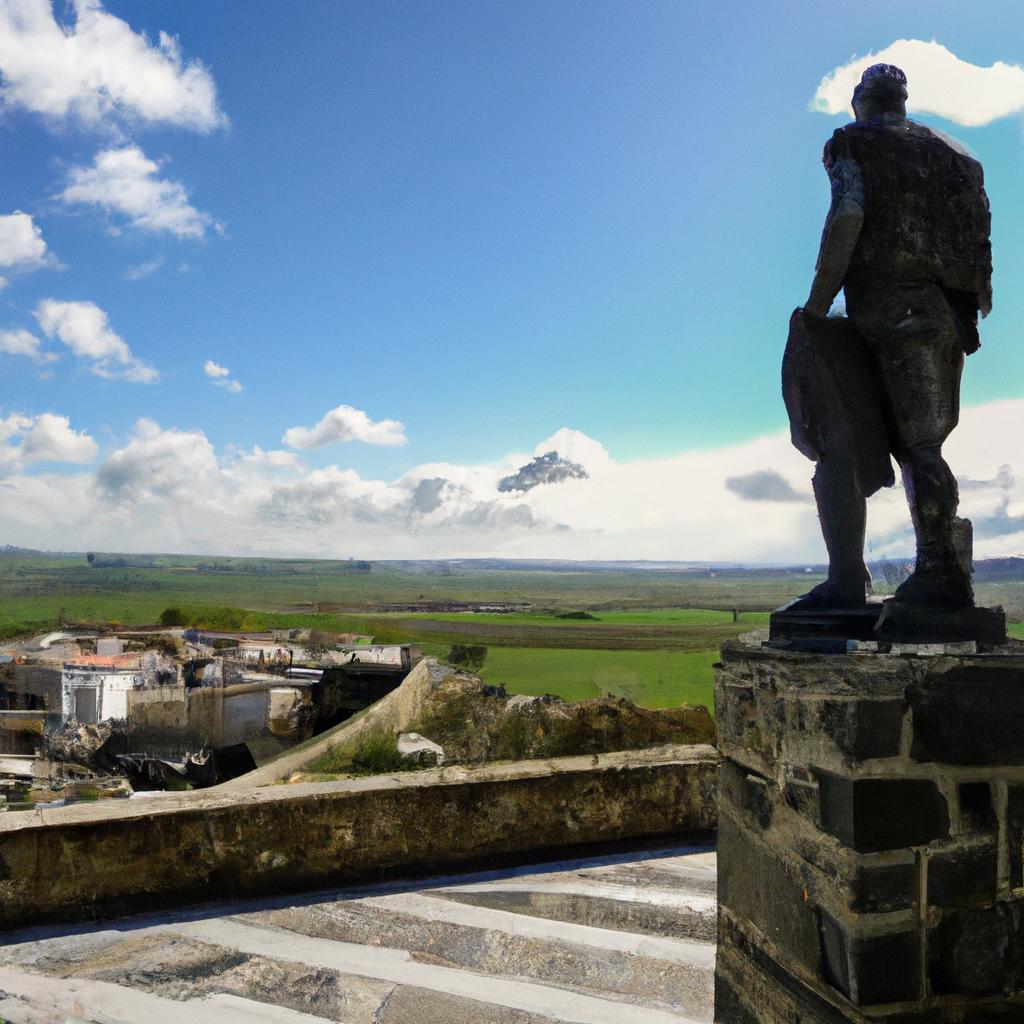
[907, 238]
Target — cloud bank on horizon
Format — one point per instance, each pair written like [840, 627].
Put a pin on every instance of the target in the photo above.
[938, 82]
[170, 489]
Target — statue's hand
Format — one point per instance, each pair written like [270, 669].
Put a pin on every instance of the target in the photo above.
[815, 310]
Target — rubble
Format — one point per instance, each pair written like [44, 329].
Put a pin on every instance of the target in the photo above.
[420, 749]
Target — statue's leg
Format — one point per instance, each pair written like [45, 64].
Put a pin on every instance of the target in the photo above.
[842, 511]
[922, 382]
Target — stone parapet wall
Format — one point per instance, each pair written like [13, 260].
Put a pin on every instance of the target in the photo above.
[871, 824]
[104, 860]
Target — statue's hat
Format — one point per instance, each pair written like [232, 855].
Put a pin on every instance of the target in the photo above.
[885, 84]
[883, 71]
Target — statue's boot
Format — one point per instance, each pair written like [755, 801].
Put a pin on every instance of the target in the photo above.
[842, 510]
[939, 580]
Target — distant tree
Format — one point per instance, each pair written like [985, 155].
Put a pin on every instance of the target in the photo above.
[90, 557]
[468, 656]
[172, 617]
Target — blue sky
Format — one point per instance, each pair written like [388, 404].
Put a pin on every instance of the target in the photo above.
[485, 221]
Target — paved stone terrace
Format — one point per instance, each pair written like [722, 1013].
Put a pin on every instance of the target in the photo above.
[624, 939]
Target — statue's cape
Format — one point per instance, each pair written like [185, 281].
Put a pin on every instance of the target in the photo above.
[926, 214]
[834, 400]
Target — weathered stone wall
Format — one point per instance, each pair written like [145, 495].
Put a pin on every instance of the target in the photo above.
[871, 822]
[95, 860]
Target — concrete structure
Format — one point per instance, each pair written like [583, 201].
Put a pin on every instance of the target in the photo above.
[625, 939]
[95, 687]
[267, 713]
[95, 860]
[871, 822]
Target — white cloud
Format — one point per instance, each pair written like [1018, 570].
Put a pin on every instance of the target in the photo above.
[98, 70]
[24, 343]
[168, 489]
[344, 423]
[44, 438]
[125, 181]
[85, 329]
[143, 270]
[938, 82]
[157, 464]
[21, 242]
[221, 377]
[51, 439]
[212, 369]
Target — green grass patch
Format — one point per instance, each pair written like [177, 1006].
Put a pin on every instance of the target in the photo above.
[375, 754]
[652, 679]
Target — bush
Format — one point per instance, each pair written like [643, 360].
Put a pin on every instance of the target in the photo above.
[468, 656]
[172, 617]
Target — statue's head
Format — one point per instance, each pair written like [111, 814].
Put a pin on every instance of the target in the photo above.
[882, 90]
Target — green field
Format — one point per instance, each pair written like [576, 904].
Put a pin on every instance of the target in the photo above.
[649, 634]
[654, 679]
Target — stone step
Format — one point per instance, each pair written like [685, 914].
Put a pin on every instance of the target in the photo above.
[433, 906]
[416, 953]
[402, 967]
[171, 967]
[673, 896]
[648, 970]
[28, 998]
[598, 912]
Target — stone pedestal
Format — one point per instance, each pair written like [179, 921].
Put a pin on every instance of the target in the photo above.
[871, 829]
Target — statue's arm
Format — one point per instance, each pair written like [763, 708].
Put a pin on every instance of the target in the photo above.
[839, 239]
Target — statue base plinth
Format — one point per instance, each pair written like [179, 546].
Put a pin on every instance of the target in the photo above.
[871, 829]
[909, 623]
[836, 630]
[824, 624]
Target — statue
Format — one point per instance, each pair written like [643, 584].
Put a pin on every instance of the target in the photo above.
[907, 239]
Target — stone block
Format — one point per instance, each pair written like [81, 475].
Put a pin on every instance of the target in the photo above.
[802, 796]
[1008, 1011]
[731, 1005]
[871, 815]
[886, 968]
[735, 712]
[746, 791]
[871, 969]
[964, 873]
[975, 952]
[970, 715]
[1015, 834]
[756, 799]
[885, 882]
[762, 886]
[864, 729]
[977, 811]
